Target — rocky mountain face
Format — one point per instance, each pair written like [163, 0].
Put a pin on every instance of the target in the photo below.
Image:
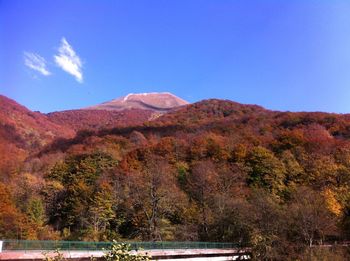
[160, 102]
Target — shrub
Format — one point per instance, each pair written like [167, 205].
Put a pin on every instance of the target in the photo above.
[121, 251]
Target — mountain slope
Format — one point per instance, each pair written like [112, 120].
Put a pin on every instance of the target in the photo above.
[160, 102]
[23, 131]
[236, 123]
[209, 110]
[100, 119]
[31, 129]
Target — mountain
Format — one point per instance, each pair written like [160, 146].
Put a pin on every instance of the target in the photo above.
[26, 128]
[23, 132]
[209, 110]
[160, 102]
[130, 110]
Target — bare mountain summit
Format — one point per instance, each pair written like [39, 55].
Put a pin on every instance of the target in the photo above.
[160, 102]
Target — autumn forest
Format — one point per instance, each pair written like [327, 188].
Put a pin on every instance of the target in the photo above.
[214, 170]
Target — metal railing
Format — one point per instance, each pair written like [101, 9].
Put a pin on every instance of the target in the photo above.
[42, 245]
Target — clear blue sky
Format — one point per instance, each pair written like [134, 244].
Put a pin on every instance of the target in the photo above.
[283, 55]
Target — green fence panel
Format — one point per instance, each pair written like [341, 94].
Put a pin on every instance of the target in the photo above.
[32, 245]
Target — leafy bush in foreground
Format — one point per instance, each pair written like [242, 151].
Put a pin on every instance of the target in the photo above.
[123, 252]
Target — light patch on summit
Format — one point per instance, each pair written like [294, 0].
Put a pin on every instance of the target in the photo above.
[127, 97]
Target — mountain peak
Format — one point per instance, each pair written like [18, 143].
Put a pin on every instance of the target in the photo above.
[156, 101]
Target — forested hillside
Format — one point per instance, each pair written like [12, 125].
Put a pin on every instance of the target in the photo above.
[211, 171]
[99, 119]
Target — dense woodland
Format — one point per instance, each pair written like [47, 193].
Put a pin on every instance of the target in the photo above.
[211, 171]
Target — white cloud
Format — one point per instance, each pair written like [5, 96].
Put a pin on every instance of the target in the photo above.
[69, 61]
[36, 62]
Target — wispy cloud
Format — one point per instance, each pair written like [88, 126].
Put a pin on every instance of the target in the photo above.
[36, 62]
[69, 61]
